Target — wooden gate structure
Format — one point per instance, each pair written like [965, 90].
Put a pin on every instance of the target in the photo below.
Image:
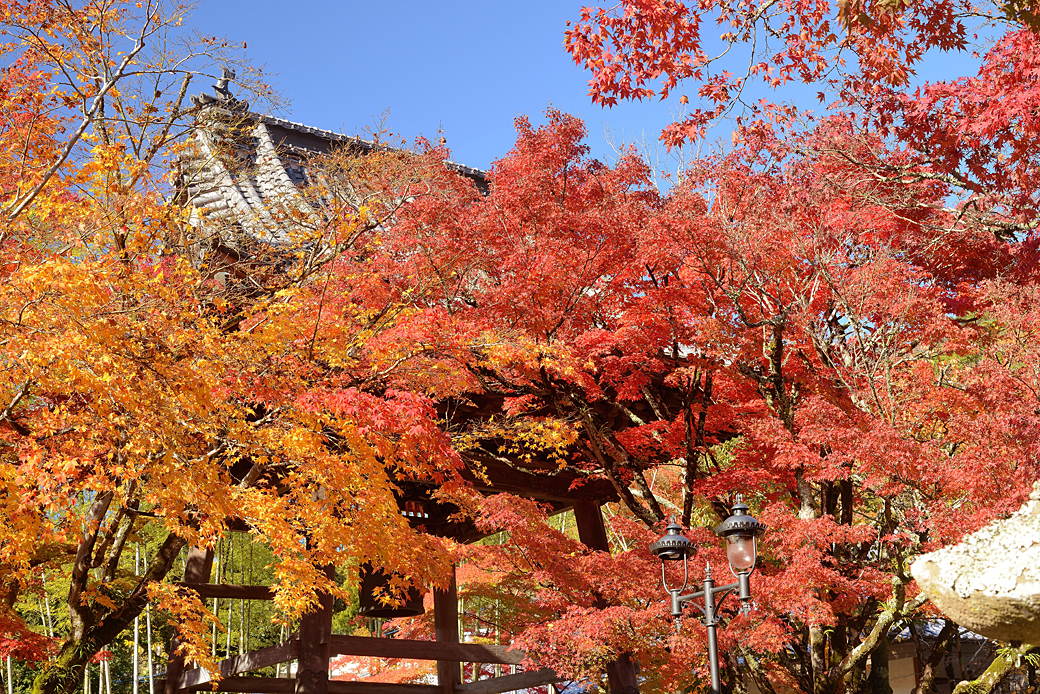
[315, 644]
[276, 152]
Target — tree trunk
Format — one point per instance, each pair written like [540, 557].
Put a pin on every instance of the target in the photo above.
[817, 647]
[931, 664]
[1003, 665]
[68, 670]
[65, 673]
[878, 680]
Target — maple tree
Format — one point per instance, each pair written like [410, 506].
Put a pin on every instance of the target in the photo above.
[850, 356]
[935, 187]
[641, 49]
[148, 396]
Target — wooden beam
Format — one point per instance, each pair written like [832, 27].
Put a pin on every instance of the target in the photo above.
[446, 629]
[235, 524]
[342, 687]
[285, 685]
[254, 660]
[230, 590]
[547, 486]
[312, 666]
[251, 685]
[622, 672]
[426, 650]
[623, 675]
[591, 530]
[508, 683]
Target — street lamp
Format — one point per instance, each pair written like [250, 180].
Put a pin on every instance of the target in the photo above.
[741, 532]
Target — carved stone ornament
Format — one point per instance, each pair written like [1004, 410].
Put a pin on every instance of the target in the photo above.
[990, 581]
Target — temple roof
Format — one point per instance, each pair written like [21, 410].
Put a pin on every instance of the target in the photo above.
[240, 167]
[241, 175]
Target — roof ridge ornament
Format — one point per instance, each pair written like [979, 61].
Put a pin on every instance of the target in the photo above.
[227, 75]
[224, 98]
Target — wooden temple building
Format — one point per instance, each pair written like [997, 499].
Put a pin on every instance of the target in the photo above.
[240, 199]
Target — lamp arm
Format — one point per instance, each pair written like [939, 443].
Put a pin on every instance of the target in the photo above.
[691, 596]
[728, 588]
[726, 591]
[679, 600]
[742, 588]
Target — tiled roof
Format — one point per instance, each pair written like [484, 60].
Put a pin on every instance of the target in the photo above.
[366, 144]
[317, 132]
[257, 198]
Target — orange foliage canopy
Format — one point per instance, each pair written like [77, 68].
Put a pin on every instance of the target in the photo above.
[141, 397]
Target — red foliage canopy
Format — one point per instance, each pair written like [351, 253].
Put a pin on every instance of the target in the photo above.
[834, 344]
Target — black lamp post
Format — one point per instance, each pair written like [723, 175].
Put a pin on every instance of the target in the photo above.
[741, 532]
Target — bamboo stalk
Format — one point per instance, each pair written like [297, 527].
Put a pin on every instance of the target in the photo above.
[242, 617]
[148, 633]
[43, 614]
[249, 605]
[137, 626]
[216, 601]
[47, 604]
[283, 633]
[230, 572]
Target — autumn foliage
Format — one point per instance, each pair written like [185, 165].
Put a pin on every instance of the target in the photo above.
[147, 401]
[835, 345]
[643, 49]
[835, 318]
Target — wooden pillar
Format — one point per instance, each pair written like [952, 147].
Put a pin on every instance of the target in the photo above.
[591, 530]
[446, 628]
[312, 668]
[197, 568]
[622, 671]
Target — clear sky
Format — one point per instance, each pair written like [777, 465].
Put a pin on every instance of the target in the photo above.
[469, 67]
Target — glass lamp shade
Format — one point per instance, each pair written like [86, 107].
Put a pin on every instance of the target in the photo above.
[741, 531]
[742, 551]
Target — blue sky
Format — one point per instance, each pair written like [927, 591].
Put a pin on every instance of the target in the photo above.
[467, 66]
